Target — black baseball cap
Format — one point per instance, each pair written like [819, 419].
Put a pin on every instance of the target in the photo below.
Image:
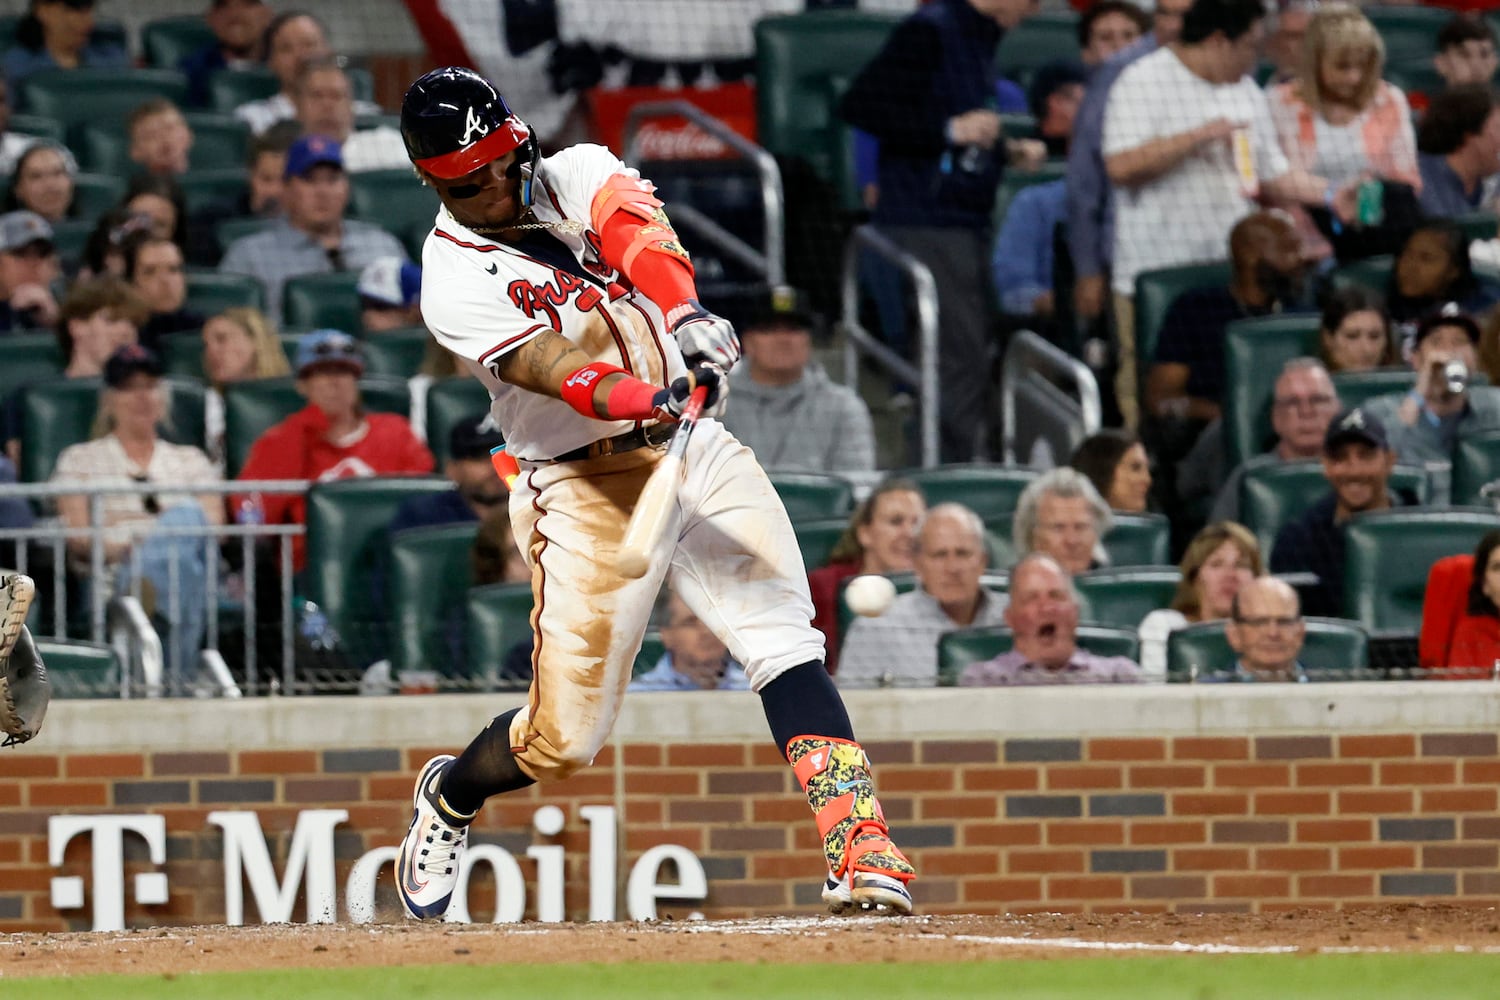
[1451, 314]
[474, 438]
[132, 359]
[1355, 424]
[783, 308]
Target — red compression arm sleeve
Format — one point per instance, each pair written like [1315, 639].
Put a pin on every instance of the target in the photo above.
[663, 279]
[628, 399]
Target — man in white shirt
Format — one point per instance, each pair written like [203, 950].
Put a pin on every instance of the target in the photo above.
[324, 99]
[1189, 145]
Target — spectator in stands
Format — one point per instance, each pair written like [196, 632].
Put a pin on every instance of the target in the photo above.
[266, 162]
[1466, 52]
[1355, 334]
[927, 97]
[1432, 270]
[1285, 43]
[900, 647]
[477, 490]
[43, 182]
[160, 199]
[1107, 27]
[1339, 119]
[28, 267]
[292, 38]
[324, 99]
[160, 138]
[1266, 630]
[12, 144]
[1043, 617]
[104, 250]
[54, 34]
[1091, 212]
[314, 238]
[98, 318]
[333, 437]
[390, 292]
[1185, 385]
[881, 538]
[238, 27]
[127, 449]
[1426, 423]
[1303, 403]
[1220, 559]
[695, 658]
[786, 409]
[1022, 262]
[1189, 168]
[153, 266]
[1063, 516]
[1117, 465]
[239, 345]
[1460, 150]
[1475, 647]
[1358, 461]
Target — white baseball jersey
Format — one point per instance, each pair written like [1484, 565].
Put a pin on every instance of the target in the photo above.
[483, 298]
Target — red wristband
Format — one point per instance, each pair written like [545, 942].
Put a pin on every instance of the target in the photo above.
[578, 388]
[628, 399]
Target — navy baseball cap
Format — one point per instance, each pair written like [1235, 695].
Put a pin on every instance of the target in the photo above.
[313, 151]
[1451, 314]
[1355, 424]
[329, 347]
[474, 438]
[132, 359]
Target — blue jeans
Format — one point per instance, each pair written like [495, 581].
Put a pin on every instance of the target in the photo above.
[177, 571]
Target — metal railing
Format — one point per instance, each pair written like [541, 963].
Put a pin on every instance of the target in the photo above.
[859, 341]
[771, 261]
[1039, 376]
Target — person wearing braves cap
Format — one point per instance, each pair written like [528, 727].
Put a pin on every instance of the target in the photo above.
[1357, 461]
[561, 284]
[1426, 423]
[28, 266]
[390, 292]
[313, 237]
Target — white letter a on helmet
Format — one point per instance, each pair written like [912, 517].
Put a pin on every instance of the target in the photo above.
[472, 124]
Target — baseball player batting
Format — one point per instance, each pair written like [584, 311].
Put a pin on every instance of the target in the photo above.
[560, 282]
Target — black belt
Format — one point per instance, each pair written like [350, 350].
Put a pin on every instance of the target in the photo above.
[641, 437]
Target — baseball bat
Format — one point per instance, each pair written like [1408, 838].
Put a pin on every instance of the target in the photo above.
[648, 522]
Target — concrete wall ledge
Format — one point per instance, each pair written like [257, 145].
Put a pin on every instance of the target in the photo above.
[712, 717]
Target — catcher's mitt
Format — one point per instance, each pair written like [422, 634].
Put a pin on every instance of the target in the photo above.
[24, 689]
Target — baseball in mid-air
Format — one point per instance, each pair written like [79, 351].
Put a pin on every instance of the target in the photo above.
[869, 595]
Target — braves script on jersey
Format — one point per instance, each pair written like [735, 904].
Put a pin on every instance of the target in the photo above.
[483, 298]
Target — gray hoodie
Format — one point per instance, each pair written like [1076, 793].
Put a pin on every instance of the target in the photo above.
[811, 425]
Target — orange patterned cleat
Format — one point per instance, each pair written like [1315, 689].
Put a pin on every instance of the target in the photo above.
[865, 870]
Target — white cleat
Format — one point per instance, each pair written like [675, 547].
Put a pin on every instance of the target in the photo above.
[866, 892]
[427, 865]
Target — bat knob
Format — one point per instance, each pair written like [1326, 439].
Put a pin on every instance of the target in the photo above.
[633, 564]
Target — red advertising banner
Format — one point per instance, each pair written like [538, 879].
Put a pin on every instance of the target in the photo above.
[673, 138]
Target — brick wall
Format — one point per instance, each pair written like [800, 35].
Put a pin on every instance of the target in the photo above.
[1041, 822]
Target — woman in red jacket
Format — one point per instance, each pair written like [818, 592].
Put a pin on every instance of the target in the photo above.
[1476, 639]
[881, 538]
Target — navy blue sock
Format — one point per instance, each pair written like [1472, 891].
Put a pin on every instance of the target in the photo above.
[485, 768]
[804, 702]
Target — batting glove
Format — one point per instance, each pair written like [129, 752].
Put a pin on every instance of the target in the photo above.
[669, 402]
[702, 336]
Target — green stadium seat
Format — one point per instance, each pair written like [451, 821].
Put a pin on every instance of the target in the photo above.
[1479, 225]
[1139, 540]
[958, 649]
[1155, 291]
[1388, 553]
[72, 96]
[229, 88]
[1358, 388]
[228, 230]
[40, 126]
[182, 353]
[70, 236]
[499, 617]
[346, 537]
[219, 189]
[1409, 32]
[397, 353]
[250, 408]
[1272, 495]
[29, 358]
[1122, 597]
[1254, 352]
[804, 63]
[1334, 649]
[450, 400]
[394, 200]
[991, 491]
[219, 140]
[95, 194]
[1020, 125]
[319, 301]
[1476, 464]
[1373, 273]
[211, 292]
[810, 496]
[169, 40]
[361, 82]
[80, 669]
[1037, 41]
[1015, 181]
[816, 539]
[652, 649]
[102, 148]
[429, 579]
[56, 414]
[185, 411]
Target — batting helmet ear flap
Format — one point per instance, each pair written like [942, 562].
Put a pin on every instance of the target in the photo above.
[529, 155]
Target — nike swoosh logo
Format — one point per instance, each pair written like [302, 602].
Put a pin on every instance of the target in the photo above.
[493, 269]
[845, 786]
[409, 875]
